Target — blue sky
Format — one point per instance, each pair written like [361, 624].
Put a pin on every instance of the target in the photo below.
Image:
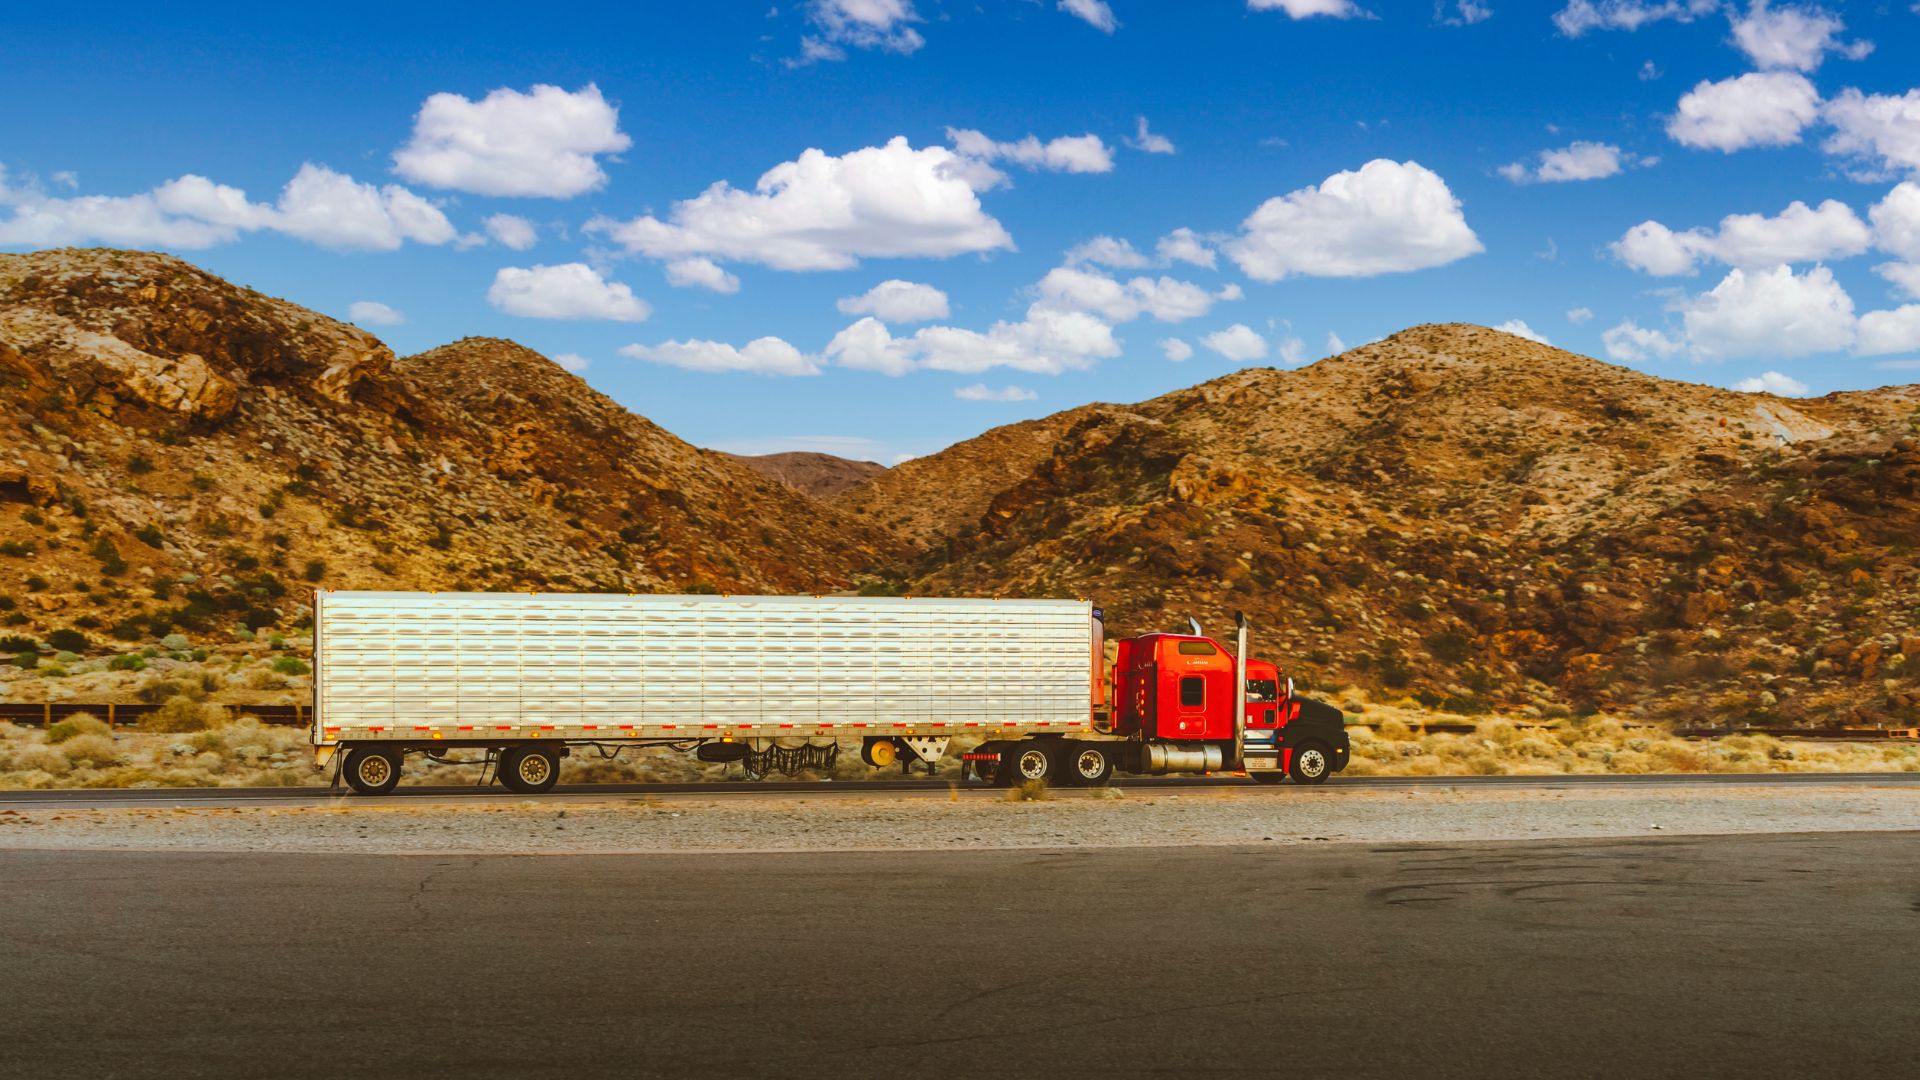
[1620, 176]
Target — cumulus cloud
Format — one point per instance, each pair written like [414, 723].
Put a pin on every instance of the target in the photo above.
[983, 392]
[1797, 234]
[1334, 344]
[701, 273]
[823, 212]
[318, 205]
[1577, 161]
[512, 232]
[1767, 108]
[1579, 315]
[1773, 382]
[1519, 328]
[1176, 350]
[1069, 288]
[1184, 245]
[1147, 142]
[896, 301]
[1883, 332]
[1068, 153]
[567, 291]
[1770, 313]
[1631, 343]
[1384, 217]
[1896, 222]
[1107, 251]
[573, 362]
[1883, 129]
[1306, 9]
[861, 24]
[1905, 277]
[1792, 36]
[1094, 13]
[761, 356]
[1046, 342]
[1240, 343]
[543, 143]
[1580, 16]
[374, 313]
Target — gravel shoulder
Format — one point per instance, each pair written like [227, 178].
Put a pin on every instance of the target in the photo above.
[966, 820]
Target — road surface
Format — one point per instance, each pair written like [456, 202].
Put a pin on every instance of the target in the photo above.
[1739, 956]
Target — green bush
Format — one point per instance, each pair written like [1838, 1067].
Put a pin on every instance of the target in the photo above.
[128, 662]
[111, 564]
[150, 535]
[17, 643]
[72, 641]
[290, 665]
[27, 660]
[18, 550]
[316, 569]
[76, 725]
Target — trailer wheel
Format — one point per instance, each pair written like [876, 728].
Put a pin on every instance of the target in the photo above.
[1310, 764]
[372, 770]
[529, 770]
[1091, 765]
[1032, 761]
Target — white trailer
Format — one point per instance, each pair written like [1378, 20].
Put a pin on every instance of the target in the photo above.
[775, 682]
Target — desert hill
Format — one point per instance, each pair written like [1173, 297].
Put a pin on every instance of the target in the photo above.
[186, 454]
[819, 475]
[1476, 518]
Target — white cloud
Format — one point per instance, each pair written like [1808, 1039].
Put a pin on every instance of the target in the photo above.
[1334, 344]
[1882, 126]
[318, 205]
[1773, 382]
[701, 273]
[544, 143]
[1579, 315]
[1792, 36]
[512, 232]
[1577, 161]
[1293, 351]
[1904, 276]
[1896, 222]
[1769, 108]
[1630, 343]
[982, 392]
[1068, 153]
[1580, 16]
[1046, 342]
[863, 24]
[1305, 9]
[1465, 13]
[1770, 313]
[573, 362]
[1519, 328]
[1094, 13]
[1883, 332]
[1175, 349]
[374, 313]
[827, 213]
[1107, 251]
[1649, 71]
[1147, 142]
[1184, 245]
[567, 291]
[1069, 288]
[761, 356]
[896, 301]
[1239, 342]
[1383, 218]
[1797, 234]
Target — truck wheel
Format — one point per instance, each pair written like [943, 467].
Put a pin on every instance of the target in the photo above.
[1310, 764]
[372, 770]
[1032, 761]
[529, 770]
[1091, 765]
[1267, 777]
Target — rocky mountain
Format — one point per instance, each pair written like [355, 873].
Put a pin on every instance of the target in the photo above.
[182, 453]
[1472, 518]
[819, 475]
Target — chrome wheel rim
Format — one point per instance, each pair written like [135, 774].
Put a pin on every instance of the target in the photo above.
[1091, 763]
[534, 769]
[1312, 763]
[1033, 764]
[374, 770]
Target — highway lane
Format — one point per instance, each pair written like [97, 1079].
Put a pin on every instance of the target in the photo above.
[104, 798]
[1736, 956]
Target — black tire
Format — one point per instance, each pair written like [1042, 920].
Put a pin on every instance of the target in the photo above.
[1089, 765]
[529, 770]
[372, 770]
[1267, 777]
[1031, 761]
[1312, 763]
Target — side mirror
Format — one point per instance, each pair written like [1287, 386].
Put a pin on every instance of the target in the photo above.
[1289, 696]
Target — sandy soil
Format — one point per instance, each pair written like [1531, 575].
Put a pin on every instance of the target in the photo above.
[969, 820]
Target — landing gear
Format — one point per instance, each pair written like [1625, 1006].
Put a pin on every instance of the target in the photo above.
[529, 770]
[372, 770]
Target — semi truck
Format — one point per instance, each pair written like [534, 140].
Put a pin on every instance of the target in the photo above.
[1022, 688]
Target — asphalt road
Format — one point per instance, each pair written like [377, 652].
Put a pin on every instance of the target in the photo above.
[1751, 956]
[101, 798]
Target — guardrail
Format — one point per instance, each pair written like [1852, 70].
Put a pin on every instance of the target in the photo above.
[127, 714]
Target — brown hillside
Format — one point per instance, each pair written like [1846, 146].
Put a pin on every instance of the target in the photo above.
[187, 454]
[1474, 517]
[818, 475]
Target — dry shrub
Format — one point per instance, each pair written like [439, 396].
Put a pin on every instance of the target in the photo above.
[90, 751]
[1030, 791]
[76, 725]
[182, 713]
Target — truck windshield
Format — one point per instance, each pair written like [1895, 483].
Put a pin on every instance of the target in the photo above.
[1262, 689]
